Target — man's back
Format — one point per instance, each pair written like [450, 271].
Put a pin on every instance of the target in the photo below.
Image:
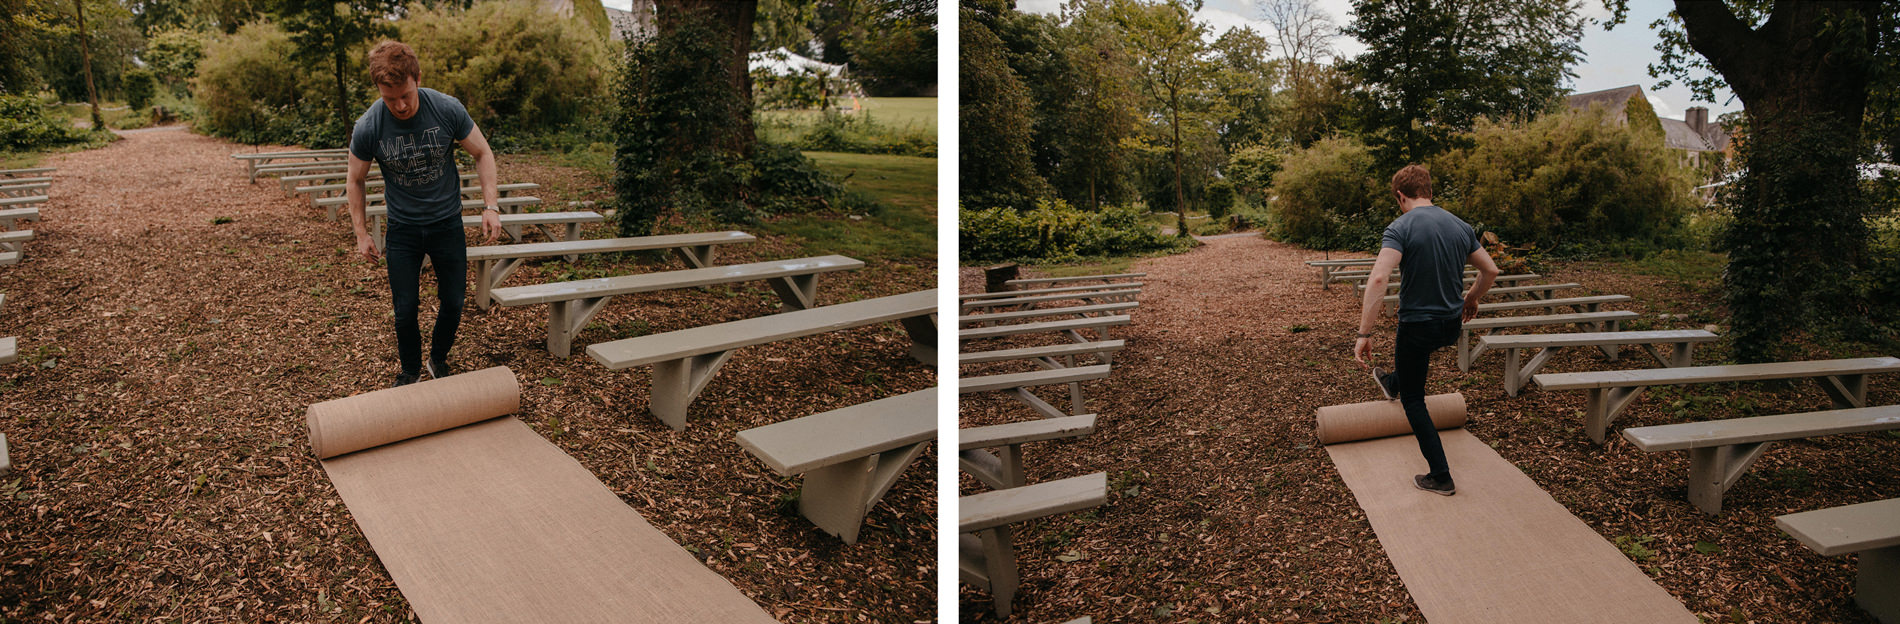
[1435, 245]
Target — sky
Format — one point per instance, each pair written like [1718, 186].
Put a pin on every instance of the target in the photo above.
[1611, 59]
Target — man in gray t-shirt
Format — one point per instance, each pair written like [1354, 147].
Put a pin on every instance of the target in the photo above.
[411, 133]
[1430, 247]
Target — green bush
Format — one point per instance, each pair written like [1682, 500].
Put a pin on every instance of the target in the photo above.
[248, 89]
[1055, 232]
[514, 65]
[25, 125]
[172, 55]
[1569, 179]
[1330, 197]
[861, 134]
[140, 86]
[1880, 275]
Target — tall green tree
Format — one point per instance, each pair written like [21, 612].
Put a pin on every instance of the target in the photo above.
[1433, 67]
[993, 160]
[1805, 72]
[1174, 70]
[1101, 109]
[1244, 76]
[1312, 97]
[325, 32]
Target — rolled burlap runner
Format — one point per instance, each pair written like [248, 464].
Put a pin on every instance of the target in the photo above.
[1379, 419]
[392, 415]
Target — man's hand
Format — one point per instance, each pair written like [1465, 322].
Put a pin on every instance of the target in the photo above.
[1362, 351]
[491, 226]
[1471, 310]
[366, 248]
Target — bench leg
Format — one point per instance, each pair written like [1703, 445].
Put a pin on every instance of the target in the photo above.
[376, 232]
[1603, 406]
[999, 557]
[837, 497]
[1846, 390]
[799, 292]
[1468, 353]
[489, 275]
[1714, 469]
[573, 234]
[1002, 469]
[1874, 584]
[923, 338]
[676, 382]
[1043, 408]
[1515, 378]
[565, 320]
[1464, 350]
[696, 256]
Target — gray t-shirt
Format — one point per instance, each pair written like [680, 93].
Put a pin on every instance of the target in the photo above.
[1436, 245]
[417, 156]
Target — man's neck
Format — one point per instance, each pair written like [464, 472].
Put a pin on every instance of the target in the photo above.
[1406, 204]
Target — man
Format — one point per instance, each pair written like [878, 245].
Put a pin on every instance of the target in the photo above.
[410, 132]
[1430, 247]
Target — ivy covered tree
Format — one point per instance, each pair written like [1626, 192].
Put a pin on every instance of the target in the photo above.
[1805, 73]
[993, 121]
[1433, 67]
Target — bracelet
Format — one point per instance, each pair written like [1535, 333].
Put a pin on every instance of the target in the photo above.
[1365, 335]
[497, 209]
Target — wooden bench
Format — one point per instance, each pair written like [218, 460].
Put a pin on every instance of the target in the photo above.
[14, 241]
[255, 160]
[340, 177]
[1070, 327]
[1515, 376]
[1534, 291]
[1017, 386]
[512, 224]
[1070, 351]
[1093, 296]
[1609, 392]
[1077, 278]
[494, 263]
[31, 171]
[6, 461]
[24, 181]
[299, 168]
[1505, 281]
[1590, 321]
[979, 320]
[333, 203]
[1721, 450]
[1591, 303]
[1328, 267]
[1046, 291]
[1003, 468]
[986, 554]
[22, 201]
[328, 188]
[571, 304]
[24, 190]
[850, 456]
[683, 361]
[1871, 529]
[9, 350]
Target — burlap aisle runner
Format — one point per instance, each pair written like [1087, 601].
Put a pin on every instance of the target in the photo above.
[488, 522]
[1501, 550]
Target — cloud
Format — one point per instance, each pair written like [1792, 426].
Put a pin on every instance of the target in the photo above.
[1663, 109]
[1039, 6]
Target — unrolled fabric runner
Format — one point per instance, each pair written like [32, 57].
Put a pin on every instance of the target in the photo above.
[479, 519]
[1500, 550]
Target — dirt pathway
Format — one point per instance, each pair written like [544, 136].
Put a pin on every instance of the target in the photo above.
[174, 320]
[1223, 507]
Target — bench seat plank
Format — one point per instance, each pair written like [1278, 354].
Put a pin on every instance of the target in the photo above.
[1509, 290]
[1009, 381]
[1065, 325]
[684, 360]
[1721, 450]
[494, 263]
[1081, 310]
[1002, 468]
[850, 456]
[1046, 291]
[1609, 392]
[25, 181]
[977, 512]
[1506, 281]
[28, 200]
[1518, 373]
[1115, 294]
[1052, 351]
[1589, 321]
[1871, 529]
[7, 173]
[1077, 278]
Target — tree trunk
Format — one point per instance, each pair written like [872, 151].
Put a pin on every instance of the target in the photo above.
[342, 97]
[737, 15]
[1798, 212]
[1180, 198]
[85, 57]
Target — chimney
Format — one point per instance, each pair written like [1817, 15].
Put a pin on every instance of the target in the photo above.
[1698, 119]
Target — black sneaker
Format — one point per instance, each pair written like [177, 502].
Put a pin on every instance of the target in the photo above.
[438, 368]
[1388, 383]
[404, 379]
[1427, 483]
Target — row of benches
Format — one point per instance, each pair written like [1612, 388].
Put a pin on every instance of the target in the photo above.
[993, 454]
[16, 184]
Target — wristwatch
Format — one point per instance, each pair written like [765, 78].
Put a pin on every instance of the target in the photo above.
[493, 207]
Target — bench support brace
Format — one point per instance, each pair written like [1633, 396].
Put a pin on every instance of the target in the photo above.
[1515, 376]
[695, 256]
[837, 497]
[799, 292]
[1681, 357]
[565, 320]
[1043, 408]
[1603, 406]
[1848, 391]
[489, 275]
[1001, 469]
[1714, 469]
[923, 338]
[988, 561]
[1873, 585]
[676, 382]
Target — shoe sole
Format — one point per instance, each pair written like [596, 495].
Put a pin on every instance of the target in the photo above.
[1438, 492]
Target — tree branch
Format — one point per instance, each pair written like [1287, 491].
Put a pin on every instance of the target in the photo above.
[1734, 49]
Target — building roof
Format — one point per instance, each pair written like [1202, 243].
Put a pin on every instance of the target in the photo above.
[1678, 134]
[1612, 100]
[631, 24]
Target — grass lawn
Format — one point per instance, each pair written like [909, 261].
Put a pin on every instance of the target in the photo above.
[899, 115]
[904, 227]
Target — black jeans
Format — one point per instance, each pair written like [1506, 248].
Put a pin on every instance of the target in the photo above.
[1416, 342]
[446, 246]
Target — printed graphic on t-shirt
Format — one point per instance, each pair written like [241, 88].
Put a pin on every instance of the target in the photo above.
[414, 160]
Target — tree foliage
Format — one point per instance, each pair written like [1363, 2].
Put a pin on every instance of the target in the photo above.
[248, 88]
[325, 33]
[993, 165]
[1331, 196]
[1174, 73]
[516, 66]
[1432, 68]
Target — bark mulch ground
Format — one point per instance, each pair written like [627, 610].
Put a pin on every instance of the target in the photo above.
[174, 322]
[1224, 508]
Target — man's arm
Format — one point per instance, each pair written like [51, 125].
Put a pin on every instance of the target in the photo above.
[353, 189]
[477, 146]
[1376, 284]
[1487, 273]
